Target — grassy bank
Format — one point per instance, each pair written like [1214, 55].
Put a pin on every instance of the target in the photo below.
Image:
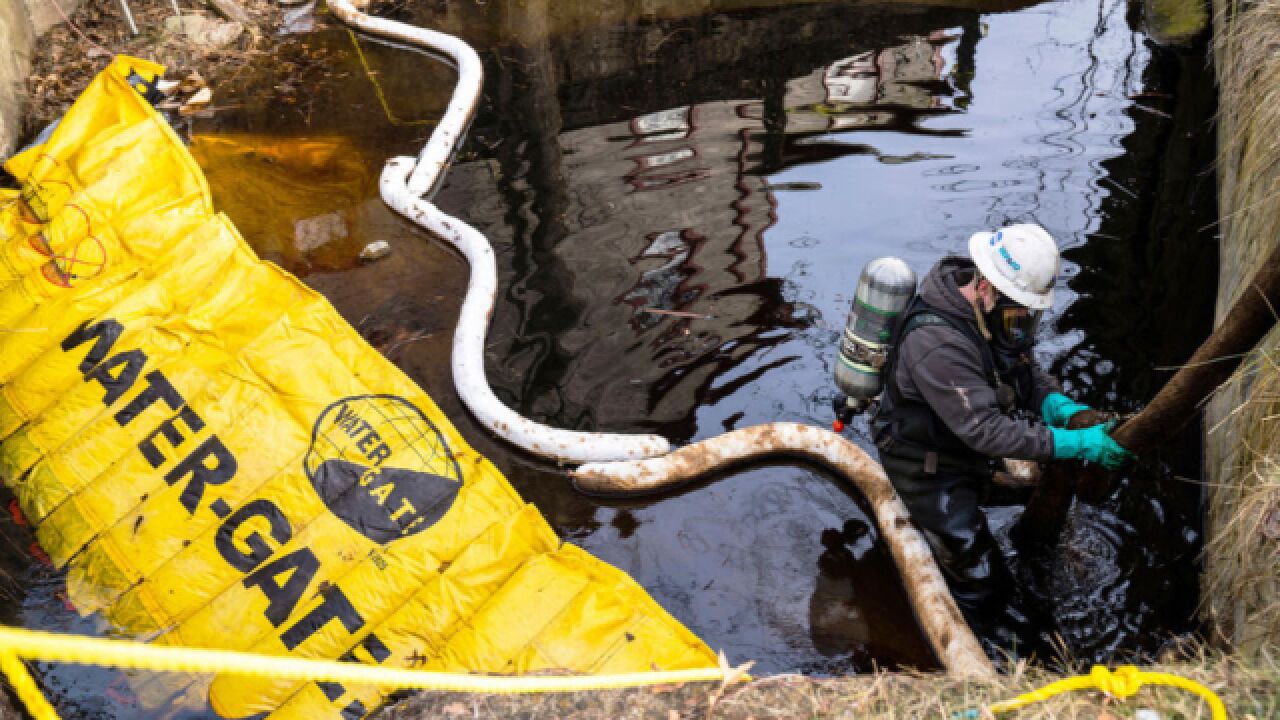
[1242, 557]
[1251, 691]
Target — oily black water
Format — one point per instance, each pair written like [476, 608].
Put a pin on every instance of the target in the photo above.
[681, 199]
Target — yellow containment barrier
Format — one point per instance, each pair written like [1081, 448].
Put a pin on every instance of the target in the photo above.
[220, 461]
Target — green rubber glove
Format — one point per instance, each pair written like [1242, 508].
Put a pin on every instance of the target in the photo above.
[1057, 409]
[1092, 444]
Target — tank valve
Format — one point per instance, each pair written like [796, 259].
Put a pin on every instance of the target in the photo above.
[845, 409]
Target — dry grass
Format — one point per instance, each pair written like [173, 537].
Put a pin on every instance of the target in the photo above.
[1250, 690]
[1242, 581]
[69, 56]
[1242, 557]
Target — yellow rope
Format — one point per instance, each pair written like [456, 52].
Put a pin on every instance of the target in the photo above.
[25, 687]
[1123, 683]
[17, 644]
[377, 89]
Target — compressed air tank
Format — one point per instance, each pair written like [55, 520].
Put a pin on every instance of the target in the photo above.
[885, 288]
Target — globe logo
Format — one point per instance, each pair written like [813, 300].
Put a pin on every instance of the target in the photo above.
[381, 466]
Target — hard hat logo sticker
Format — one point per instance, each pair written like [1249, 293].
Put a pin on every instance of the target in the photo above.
[1004, 253]
[382, 467]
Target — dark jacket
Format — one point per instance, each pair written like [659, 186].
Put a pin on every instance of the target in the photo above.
[944, 368]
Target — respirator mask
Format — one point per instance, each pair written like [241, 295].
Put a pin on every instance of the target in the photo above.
[1012, 326]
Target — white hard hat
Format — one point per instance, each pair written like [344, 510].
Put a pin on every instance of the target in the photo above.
[1020, 260]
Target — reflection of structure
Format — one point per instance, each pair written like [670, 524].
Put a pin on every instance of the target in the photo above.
[853, 80]
[633, 245]
[877, 88]
[662, 217]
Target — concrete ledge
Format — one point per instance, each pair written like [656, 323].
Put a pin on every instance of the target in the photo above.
[43, 14]
[20, 24]
[16, 39]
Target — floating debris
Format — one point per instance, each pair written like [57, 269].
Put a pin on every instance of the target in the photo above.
[1175, 23]
[913, 157]
[204, 32]
[676, 313]
[193, 82]
[231, 10]
[196, 102]
[296, 19]
[1153, 111]
[375, 250]
[777, 187]
[314, 232]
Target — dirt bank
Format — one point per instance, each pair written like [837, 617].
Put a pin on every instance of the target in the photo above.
[72, 54]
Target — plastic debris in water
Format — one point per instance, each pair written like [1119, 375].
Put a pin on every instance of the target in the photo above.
[314, 232]
[375, 250]
[196, 102]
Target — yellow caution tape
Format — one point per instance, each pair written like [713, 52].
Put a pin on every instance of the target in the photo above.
[1123, 683]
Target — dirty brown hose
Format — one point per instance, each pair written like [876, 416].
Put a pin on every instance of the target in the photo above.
[1248, 321]
[943, 625]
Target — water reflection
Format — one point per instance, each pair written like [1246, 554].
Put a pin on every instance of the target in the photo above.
[691, 292]
[851, 621]
[1145, 304]
[889, 87]
[680, 202]
[670, 209]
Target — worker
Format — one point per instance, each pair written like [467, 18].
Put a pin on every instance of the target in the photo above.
[962, 391]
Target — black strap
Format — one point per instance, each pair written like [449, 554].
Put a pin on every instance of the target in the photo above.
[931, 461]
[149, 90]
[925, 319]
[919, 314]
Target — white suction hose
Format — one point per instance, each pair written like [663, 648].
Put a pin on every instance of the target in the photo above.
[405, 185]
[405, 182]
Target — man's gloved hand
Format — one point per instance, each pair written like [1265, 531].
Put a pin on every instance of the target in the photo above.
[1092, 443]
[1057, 409]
